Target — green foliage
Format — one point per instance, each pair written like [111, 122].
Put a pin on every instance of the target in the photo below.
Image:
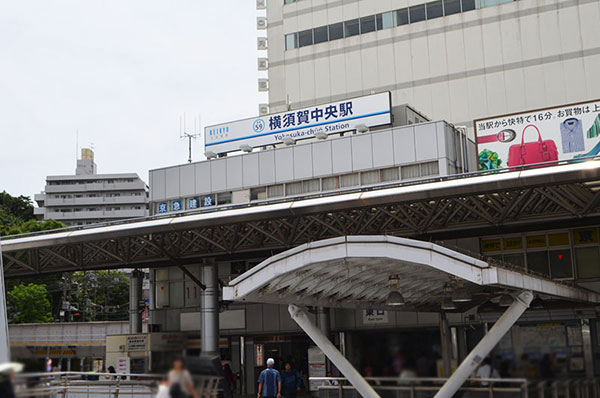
[16, 216]
[19, 207]
[29, 304]
[100, 295]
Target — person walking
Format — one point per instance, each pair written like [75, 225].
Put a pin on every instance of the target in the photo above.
[269, 381]
[181, 384]
[291, 382]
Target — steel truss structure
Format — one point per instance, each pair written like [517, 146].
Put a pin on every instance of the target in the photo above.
[441, 208]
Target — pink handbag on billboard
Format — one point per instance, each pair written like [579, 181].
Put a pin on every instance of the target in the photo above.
[532, 152]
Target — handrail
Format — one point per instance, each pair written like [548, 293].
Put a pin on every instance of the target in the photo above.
[369, 188]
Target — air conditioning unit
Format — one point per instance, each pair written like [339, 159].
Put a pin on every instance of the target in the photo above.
[261, 43]
[261, 4]
[263, 64]
[261, 23]
[263, 109]
[263, 84]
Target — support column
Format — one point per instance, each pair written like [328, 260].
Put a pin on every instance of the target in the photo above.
[135, 296]
[325, 327]
[4, 346]
[210, 310]
[345, 367]
[487, 343]
[445, 345]
[587, 348]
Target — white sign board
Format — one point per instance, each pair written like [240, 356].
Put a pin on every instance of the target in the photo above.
[137, 342]
[336, 117]
[545, 135]
[374, 317]
[316, 367]
[123, 365]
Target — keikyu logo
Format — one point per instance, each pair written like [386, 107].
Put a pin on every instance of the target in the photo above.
[258, 125]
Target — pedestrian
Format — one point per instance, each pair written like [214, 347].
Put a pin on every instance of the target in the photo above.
[163, 389]
[332, 382]
[181, 384]
[269, 381]
[291, 382]
[486, 371]
[6, 384]
[229, 377]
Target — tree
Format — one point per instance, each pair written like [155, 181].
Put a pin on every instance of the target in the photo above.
[16, 216]
[29, 304]
[99, 295]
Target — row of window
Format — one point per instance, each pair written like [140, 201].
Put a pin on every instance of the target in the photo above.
[94, 195]
[114, 208]
[386, 20]
[560, 255]
[313, 185]
[78, 182]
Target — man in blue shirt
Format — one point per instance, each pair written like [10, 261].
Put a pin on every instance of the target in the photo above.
[291, 382]
[269, 381]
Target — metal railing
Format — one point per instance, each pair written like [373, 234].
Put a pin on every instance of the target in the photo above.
[427, 387]
[101, 385]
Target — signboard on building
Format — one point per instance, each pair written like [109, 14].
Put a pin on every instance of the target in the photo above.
[543, 135]
[137, 342]
[375, 316]
[123, 365]
[316, 367]
[335, 117]
[260, 355]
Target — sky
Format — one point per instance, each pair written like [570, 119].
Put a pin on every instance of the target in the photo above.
[121, 74]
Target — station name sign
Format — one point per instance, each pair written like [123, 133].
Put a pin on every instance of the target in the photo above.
[335, 117]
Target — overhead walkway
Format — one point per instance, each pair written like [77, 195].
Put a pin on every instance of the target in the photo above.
[391, 273]
[445, 207]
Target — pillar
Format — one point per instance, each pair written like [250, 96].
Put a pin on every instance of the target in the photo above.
[210, 310]
[323, 321]
[135, 296]
[587, 348]
[4, 346]
[445, 345]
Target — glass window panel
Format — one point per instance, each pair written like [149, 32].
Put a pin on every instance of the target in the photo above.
[290, 41]
[369, 177]
[538, 262]
[388, 19]
[275, 191]
[417, 13]
[536, 241]
[434, 10]
[293, 188]
[351, 28]
[224, 198]
[288, 1]
[451, 7]
[258, 193]
[336, 31]
[561, 239]
[390, 174]
[585, 236]
[516, 259]
[402, 17]
[349, 180]
[468, 5]
[560, 263]
[588, 262]
[367, 24]
[513, 243]
[379, 21]
[430, 169]
[490, 245]
[320, 35]
[412, 171]
[305, 38]
[330, 183]
[311, 185]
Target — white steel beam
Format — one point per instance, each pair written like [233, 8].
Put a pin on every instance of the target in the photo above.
[487, 343]
[4, 346]
[336, 357]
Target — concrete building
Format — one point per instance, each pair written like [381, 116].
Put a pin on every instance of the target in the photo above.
[454, 60]
[88, 198]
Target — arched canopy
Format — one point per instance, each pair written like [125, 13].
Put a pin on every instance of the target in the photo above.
[353, 272]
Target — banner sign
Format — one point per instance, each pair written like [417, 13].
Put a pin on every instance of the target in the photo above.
[138, 342]
[544, 135]
[336, 117]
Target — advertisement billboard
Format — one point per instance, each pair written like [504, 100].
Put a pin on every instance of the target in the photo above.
[335, 117]
[543, 135]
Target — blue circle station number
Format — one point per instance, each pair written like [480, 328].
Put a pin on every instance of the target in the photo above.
[259, 125]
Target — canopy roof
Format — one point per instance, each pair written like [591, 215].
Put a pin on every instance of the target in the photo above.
[353, 272]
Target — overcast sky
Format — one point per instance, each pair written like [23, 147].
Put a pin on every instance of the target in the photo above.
[122, 73]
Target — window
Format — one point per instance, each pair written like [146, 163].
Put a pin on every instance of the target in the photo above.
[560, 263]
[224, 198]
[430, 169]
[515, 259]
[293, 188]
[587, 259]
[336, 31]
[417, 13]
[258, 193]
[320, 35]
[288, 1]
[351, 28]
[390, 174]
[305, 38]
[369, 177]
[311, 185]
[349, 180]
[434, 10]
[386, 20]
[367, 24]
[411, 171]
[468, 5]
[330, 183]
[451, 7]
[275, 191]
[402, 16]
[291, 41]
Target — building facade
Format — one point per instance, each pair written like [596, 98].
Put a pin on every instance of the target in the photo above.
[456, 60]
[88, 198]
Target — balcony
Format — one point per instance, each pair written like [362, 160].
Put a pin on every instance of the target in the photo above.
[99, 200]
[96, 186]
[97, 214]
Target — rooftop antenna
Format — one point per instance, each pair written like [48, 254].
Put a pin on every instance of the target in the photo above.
[183, 134]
